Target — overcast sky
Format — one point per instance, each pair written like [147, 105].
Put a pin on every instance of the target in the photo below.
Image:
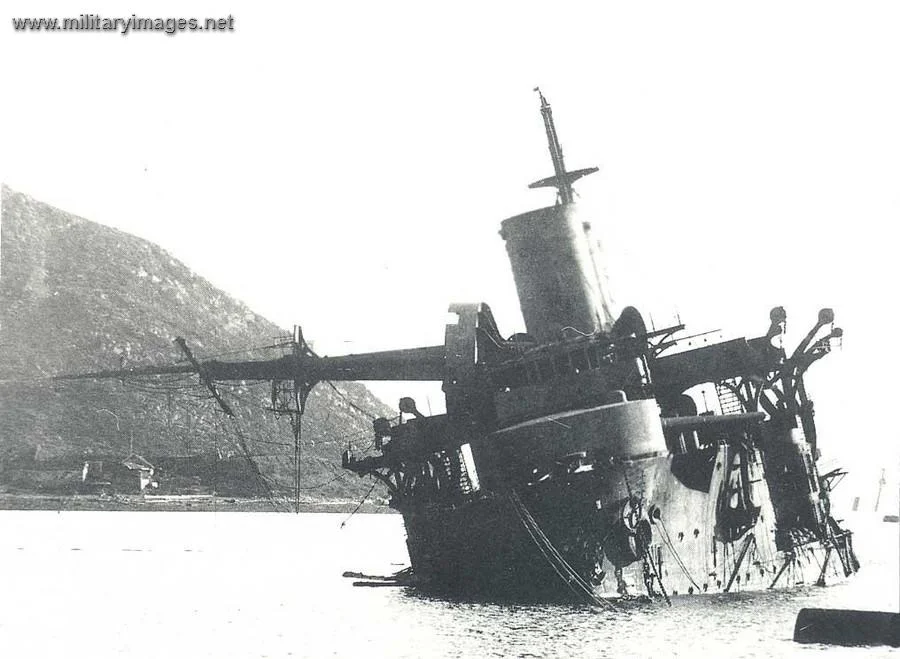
[346, 165]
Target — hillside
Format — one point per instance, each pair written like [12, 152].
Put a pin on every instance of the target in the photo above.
[76, 296]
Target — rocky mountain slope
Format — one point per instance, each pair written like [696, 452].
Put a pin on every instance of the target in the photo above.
[76, 296]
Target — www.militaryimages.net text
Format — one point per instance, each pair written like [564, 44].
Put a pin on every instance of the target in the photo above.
[124, 26]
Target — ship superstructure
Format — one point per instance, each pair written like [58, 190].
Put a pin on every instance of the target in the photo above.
[572, 460]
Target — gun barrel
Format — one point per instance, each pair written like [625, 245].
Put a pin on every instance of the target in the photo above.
[421, 364]
[406, 364]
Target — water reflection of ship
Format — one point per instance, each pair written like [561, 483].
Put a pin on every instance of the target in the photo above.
[572, 459]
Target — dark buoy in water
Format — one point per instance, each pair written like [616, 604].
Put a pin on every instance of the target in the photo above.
[847, 627]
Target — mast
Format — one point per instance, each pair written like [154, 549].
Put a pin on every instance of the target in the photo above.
[563, 186]
[561, 180]
[557, 264]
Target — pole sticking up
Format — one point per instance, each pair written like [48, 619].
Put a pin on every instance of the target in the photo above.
[300, 393]
[561, 180]
[556, 154]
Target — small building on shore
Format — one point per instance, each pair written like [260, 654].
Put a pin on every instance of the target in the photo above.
[133, 475]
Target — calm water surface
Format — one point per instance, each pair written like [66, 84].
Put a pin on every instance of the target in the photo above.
[163, 585]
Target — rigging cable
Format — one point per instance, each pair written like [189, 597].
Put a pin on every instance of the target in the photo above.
[261, 479]
[348, 401]
[359, 505]
[649, 560]
[671, 546]
[559, 564]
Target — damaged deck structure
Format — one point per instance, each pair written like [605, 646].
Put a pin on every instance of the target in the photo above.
[572, 460]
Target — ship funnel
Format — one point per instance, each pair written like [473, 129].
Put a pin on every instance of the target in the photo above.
[558, 266]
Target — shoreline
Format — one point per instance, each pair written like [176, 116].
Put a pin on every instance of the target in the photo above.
[178, 503]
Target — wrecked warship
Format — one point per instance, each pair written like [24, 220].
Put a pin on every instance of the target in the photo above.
[572, 461]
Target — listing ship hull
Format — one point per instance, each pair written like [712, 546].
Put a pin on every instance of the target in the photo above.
[587, 455]
[611, 501]
[484, 547]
